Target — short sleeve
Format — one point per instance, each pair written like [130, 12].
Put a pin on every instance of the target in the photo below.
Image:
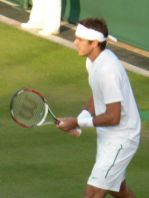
[111, 86]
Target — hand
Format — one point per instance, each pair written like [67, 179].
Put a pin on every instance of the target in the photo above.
[67, 124]
[75, 132]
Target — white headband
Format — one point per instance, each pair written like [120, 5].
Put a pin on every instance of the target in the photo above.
[90, 34]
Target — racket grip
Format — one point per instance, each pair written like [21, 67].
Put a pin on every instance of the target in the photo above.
[57, 121]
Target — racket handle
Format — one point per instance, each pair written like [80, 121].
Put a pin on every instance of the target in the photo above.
[57, 121]
[47, 123]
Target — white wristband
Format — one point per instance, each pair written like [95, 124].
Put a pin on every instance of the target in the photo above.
[84, 113]
[85, 122]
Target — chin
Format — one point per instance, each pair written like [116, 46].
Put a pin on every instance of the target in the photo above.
[81, 54]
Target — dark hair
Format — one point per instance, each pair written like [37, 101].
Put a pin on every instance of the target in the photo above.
[99, 25]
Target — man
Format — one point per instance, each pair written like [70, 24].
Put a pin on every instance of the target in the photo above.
[111, 109]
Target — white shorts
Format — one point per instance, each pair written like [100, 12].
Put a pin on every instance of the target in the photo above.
[112, 160]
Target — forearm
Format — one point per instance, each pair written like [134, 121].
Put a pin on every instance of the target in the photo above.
[105, 120]
[111, 117]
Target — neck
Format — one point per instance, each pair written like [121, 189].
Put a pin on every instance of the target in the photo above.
[94, 54]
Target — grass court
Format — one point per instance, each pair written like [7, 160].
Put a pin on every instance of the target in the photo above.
[44, 162]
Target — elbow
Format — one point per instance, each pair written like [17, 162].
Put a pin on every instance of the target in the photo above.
[115, 120]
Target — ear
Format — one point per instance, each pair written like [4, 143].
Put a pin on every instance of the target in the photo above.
[95, 44]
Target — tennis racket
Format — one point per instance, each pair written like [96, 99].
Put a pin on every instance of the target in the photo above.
[29, 108]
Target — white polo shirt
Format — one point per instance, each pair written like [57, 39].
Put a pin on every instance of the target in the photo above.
[109, 83]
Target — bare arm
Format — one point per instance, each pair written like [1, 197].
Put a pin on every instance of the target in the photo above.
[110, 117]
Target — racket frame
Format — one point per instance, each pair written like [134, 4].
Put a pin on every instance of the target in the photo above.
[47, 109]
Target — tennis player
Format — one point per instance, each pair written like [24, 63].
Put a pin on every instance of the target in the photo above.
[111, 109]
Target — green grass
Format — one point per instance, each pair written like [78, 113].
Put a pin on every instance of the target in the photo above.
[44, 162]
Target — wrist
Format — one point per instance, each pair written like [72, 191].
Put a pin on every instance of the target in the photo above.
[85, 122]
[84, 113]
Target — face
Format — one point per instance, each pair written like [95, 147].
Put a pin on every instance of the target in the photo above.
[84, 47]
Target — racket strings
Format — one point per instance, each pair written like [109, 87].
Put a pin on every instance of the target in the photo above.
[28, 108]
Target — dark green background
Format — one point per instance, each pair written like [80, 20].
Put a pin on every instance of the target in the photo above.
[128, 20]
